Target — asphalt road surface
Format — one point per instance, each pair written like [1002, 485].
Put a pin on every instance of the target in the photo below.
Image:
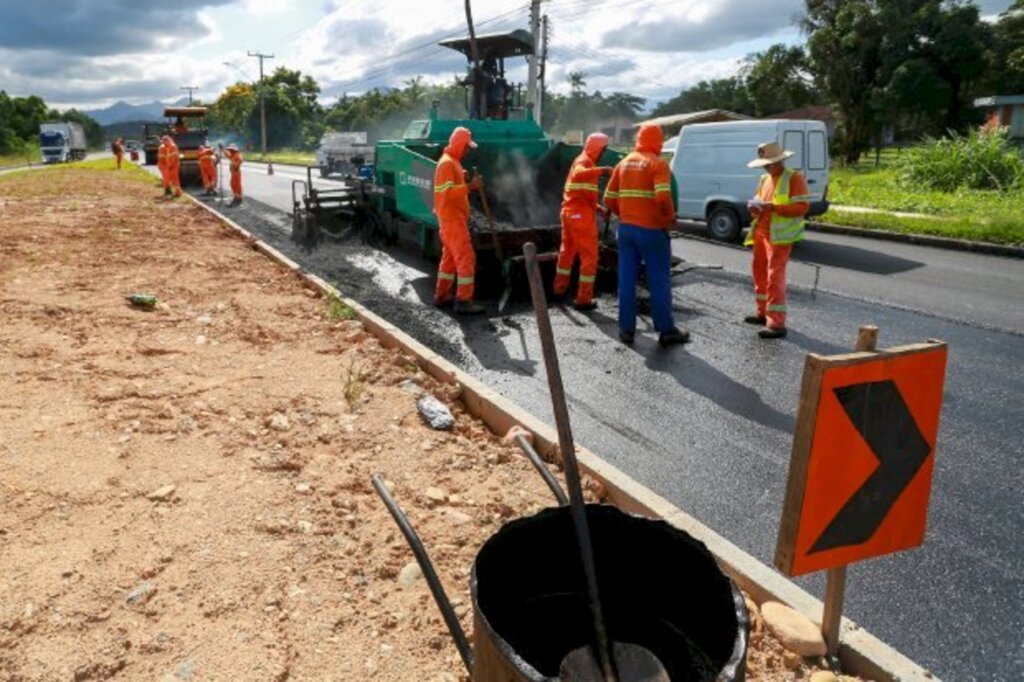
[710, 426]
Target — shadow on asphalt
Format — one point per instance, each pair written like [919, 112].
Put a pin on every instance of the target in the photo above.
[853, 258]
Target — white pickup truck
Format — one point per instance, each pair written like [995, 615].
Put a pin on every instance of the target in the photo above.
[343, 153]
[710, 167]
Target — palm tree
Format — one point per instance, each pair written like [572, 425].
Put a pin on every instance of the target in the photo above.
[577, 81]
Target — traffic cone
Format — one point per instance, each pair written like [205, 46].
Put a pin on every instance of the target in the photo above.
[270, 167]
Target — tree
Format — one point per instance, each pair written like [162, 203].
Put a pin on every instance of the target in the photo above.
[722, 93]
[230, 114]
[577, 81]
[779, 79]
[1007, 53]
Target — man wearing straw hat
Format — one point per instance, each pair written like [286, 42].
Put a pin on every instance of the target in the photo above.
[778, 207]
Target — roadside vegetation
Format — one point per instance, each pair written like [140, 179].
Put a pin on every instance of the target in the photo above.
[27, 153]
[968, 187]
[295, 157]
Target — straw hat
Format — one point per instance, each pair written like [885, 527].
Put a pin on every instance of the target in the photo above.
[769, 153]
[231, 148]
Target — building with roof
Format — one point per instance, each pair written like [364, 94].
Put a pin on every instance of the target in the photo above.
[1004, 110]
[671, 124]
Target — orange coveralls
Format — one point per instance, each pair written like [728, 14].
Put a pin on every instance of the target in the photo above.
[451, 205]
[118, 152]
[579, 221]
[236, 173]
[169, 162]
[770, 260]
[208, 168]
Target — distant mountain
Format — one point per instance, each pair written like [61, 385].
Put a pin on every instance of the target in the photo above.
[120, 112]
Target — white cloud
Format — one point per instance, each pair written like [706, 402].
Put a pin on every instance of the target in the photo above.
[263, 8]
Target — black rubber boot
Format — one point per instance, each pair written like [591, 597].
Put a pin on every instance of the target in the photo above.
[584, 307]
[772, 333]
[759, 320]
[674, 338]
[627, 337]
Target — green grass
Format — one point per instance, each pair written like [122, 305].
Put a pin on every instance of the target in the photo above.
[294, 157]
[966, 214]
[128, 170]
[29, 155]
[339, 310]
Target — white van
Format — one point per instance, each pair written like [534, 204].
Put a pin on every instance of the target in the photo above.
[714, 183]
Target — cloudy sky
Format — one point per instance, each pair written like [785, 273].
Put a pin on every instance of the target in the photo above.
[91, 53]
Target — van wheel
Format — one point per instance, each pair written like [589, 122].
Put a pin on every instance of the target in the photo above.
[724, 224]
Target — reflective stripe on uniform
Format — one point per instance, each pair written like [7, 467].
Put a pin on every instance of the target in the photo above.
[580, 185]
[760, 297]
[561, 271]
[584, 279]
[662, 187]
[609, 194]
[777, 308]
[635, 194]
[445, 275]
[465, 280]
[444, 187]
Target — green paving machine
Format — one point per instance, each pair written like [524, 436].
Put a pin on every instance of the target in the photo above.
[523, 170]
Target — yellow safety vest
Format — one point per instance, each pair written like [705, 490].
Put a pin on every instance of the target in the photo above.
[782, 230]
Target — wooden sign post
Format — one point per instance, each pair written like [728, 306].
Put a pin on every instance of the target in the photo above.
[861, 468]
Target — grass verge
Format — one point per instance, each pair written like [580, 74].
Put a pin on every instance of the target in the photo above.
[128, 170]
[29, 155]
[977, 215]
[294, 157]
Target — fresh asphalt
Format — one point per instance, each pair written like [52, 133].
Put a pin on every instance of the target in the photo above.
[710, 426]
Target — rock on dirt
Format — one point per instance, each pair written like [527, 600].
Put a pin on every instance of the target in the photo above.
[162, 494]
[796, 632]
[435, 413]
[409, 574]
[141, 593]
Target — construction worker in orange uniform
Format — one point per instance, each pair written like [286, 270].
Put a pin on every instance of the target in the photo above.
[640, 193]
[451, 205]
[579, 222]
[119, 151]
[235, 166]
[169, 162]
[208, 169]
[778, 207]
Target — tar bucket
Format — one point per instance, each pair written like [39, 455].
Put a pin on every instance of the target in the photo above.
[660, 588]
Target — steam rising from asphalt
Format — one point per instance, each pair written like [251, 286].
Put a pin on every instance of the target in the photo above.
[513, 190]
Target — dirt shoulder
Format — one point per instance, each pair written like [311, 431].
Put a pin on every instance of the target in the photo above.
[184, 492]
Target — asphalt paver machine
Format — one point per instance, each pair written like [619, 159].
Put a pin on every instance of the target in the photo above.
[523, 169]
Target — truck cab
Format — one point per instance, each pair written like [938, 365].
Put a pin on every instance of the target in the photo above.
[710, 167]
[61, 141]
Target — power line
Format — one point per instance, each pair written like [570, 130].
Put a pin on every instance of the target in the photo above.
[263, 102]
[191, 89]
[427, 49]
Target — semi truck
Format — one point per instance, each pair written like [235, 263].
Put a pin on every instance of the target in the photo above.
[61, 141]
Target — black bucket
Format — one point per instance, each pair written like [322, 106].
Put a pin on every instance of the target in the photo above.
[660, 589]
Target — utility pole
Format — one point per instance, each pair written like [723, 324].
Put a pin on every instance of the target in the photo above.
[539, 115]
[191, 89]
[263, 104]
[531, 78]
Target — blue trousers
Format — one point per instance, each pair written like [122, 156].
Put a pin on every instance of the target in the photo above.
[651, 247]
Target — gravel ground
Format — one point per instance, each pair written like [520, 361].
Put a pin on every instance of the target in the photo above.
[185, 490]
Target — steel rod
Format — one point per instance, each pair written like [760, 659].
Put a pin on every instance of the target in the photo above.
[538, 464]
[572, 473]
[416, 545]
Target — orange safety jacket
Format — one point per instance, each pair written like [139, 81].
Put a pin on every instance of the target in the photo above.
[640, 189]
[168, 156]
[451, 194]
[235, 164]
[581, 191]
[207, 158]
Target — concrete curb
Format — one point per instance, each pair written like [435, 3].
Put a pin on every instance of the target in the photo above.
[921, 240]
[860, 653]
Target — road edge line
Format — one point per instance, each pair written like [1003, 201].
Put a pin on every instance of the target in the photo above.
[860, 653]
